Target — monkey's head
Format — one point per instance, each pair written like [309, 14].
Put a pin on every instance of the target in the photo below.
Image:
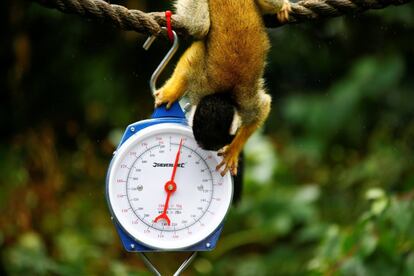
[212, 121]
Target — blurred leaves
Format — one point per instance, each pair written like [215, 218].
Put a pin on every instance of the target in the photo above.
[378, 244]
[329, 183]
[29, 256]
[336, 112]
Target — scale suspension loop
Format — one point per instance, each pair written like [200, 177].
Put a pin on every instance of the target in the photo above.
[164, 62]
[154, 270]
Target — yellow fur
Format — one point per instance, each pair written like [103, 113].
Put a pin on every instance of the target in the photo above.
[230, 58]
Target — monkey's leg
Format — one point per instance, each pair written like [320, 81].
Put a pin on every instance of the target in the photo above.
[194, 15]
[187, 66]
[253, 112]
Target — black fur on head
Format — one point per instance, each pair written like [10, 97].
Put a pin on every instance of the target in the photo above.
[212, 121]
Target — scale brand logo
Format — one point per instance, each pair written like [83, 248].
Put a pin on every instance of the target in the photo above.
[167, 165]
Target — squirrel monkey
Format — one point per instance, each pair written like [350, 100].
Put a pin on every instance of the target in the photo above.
[229, 57]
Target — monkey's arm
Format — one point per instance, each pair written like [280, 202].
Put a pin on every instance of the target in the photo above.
[279, 7]
[195, 15]
[189, 69]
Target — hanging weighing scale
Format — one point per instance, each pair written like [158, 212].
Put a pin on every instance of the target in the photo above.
[163, 190]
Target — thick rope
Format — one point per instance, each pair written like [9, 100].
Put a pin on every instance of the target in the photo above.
[307, 10]
[121, 17]
[150, 23]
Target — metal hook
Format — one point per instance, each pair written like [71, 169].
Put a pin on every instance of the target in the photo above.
[164, 62]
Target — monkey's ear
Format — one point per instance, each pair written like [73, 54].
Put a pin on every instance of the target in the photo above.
[213, 120]
[195, 16]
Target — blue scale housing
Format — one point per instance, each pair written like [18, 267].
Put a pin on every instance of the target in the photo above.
[160, 116]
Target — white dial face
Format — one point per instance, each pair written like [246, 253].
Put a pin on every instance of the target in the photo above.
[165, 191]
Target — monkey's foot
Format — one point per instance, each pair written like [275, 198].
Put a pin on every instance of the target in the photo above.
[230, 160]
[283, 14]
[163, 96]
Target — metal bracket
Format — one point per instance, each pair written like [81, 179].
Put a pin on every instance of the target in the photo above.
[154, 270]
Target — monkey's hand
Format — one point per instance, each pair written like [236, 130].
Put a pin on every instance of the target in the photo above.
[164, 96]
[172, 91]
[283, 14]
[231, 152]
[230, 160]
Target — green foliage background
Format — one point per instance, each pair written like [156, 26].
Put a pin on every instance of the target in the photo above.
[330, 180]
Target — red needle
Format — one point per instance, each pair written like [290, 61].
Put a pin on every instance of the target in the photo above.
[170, 187]
[177, 158]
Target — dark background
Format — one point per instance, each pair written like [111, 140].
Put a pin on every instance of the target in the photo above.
[329, 179]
